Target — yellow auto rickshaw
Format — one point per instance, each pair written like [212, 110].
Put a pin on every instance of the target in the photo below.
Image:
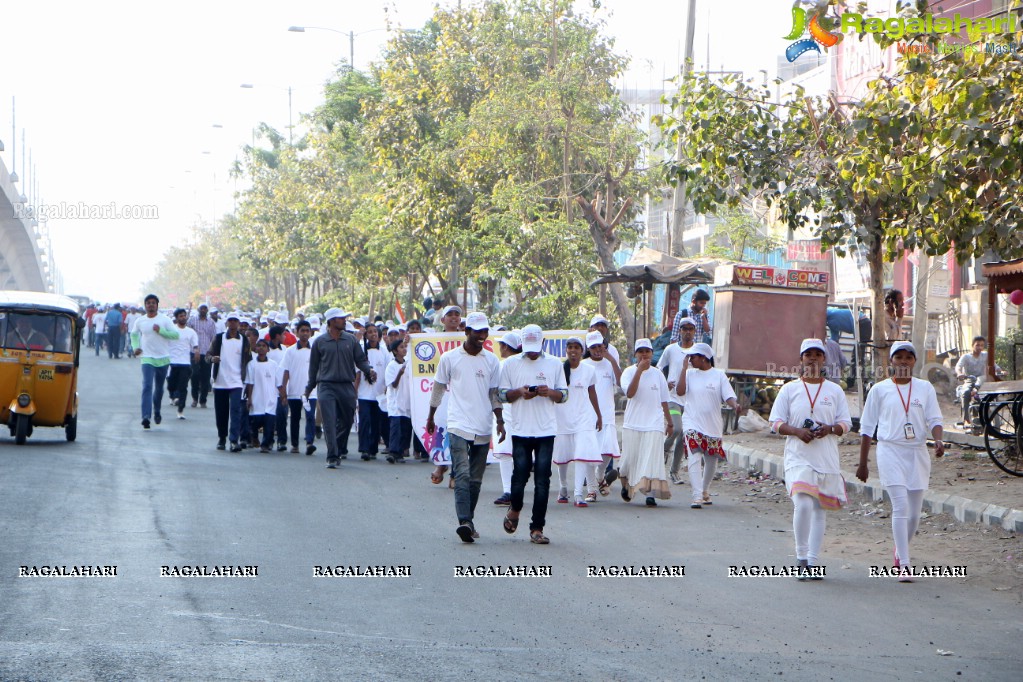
[40, 337]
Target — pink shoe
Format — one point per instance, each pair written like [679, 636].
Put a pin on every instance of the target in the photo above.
[895, 558]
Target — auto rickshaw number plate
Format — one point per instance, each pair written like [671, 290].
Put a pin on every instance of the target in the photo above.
[45, 374]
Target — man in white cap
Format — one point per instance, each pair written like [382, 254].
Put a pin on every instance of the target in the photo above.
[289, 339]
[671, 362]
[332, 363]
[469, 375]
[230, 355]
[903, 411]
[702, 420]
[535, 383]
[451, 318]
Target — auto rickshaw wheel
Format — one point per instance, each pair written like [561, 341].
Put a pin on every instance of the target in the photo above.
[22, 427]
[71, 428]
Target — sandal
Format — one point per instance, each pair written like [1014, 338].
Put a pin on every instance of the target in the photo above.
[436, 478]
[706, 499]
[510, 524]
[538, 538]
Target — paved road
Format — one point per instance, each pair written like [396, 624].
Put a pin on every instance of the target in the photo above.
[142, 500]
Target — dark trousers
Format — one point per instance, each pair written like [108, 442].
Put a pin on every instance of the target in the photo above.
[384, 427]
[201, 379]
[369, 426]
[295, 407]
[281, 423]
[227, 404]
[337, 408]
[400, 435]
[114, 342]
[417, 447]
[265, 422]
[532, 454]
[177, 384]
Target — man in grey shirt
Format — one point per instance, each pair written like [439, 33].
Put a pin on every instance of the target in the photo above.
[332, 362]
[972, 365]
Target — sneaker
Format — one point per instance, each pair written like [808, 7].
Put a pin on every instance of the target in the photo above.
[504, 500]
[332, 464]
[221, 445]
[804, 571]
[813, 574]
[145, 423]
[464, 531]
[562, 499]
[157, 419]
[294, 450]
[365, 457]
[696, 505]
[243, 445]
[181, 415]
[235, 447]
[310, 449]
[651, 502]
[390, 459]
[281, 447]
[895, 558]
[674, 477]
[591, 497]
[344, 456]
[195, 403]
[580, 502]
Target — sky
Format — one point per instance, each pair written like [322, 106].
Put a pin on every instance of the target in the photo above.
[139, 106]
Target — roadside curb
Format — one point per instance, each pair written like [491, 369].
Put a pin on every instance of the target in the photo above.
[963, 509]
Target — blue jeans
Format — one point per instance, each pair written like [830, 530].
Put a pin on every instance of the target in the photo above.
[532, 454]
[227, 405]
[468, 462]
[153, 379]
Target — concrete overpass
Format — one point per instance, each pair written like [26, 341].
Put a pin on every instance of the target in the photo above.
[24, 263]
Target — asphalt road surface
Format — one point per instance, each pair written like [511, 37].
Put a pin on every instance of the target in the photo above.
[140, 500]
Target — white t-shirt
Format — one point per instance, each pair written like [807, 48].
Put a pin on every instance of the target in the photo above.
[672, 358]
[902, 461]
[577, 415]
[152, 343]
[536, 417]
[399, 400]
[377, 359]
[296, 362]
[643, 411]
[130, 321]
[614, 353]
[469, 379]
[100, 320]
[706, 389]
[229, 374]
[263, 377]
[792, 407]
[604, 384]
[182, 347]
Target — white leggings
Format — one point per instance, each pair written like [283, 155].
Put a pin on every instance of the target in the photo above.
[701, 472]
[586, 474]
[808, 523]
[507, 467]
[906, 506]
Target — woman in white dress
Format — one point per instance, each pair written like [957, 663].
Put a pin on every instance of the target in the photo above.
[903, 411]
[705, 388]
[812, 414]
[606, 376]
[579, 421]
[647, 421]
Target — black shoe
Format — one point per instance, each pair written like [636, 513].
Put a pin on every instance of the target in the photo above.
[332, 464]
[235, 447]
[319, 432]
[310, 449]
[365, 457]
[390, 459]
[145, 423]
[282, 448]
[504, 500]
[372, 455]
[651, 502]
[344, 456]
[221, 445]
[157, 419]
[195, 403]
[625, 494]
[465, 532]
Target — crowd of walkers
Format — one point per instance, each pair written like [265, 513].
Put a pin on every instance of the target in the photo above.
[532, 412]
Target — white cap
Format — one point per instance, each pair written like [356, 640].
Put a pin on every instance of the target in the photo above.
[594, 339]
[403, 327]
[700, 349]
[807, 344]
[281, 318]
[477, 321]
[334, 312]
[643, 343]
[233, 315]
[901, 345]
[599, 319]
[449, 309]
[349, 327]
[686, 320]
[511, 339]
[575, 339]
[532, 338]
[499, 327]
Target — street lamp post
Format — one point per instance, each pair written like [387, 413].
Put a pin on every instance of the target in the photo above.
[250, 86]
[350, 34]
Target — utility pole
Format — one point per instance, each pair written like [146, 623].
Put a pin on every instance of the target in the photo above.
[678, 204]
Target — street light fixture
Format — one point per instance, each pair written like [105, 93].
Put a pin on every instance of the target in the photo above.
[351, 37]
[250, 86]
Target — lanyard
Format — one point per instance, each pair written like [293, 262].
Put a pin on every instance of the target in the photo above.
[905, 403]
[813, 400]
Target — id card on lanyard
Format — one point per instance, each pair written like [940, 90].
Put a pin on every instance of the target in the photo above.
[908, 428]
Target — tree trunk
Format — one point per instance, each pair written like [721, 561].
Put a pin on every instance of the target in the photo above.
[875, 259]
[920, 312]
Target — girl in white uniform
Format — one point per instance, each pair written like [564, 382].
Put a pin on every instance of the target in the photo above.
[579, 421]
[904, 411]
[811, 413]
[705, 388]
[606, 376]
[509, 345]
[647, 421]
